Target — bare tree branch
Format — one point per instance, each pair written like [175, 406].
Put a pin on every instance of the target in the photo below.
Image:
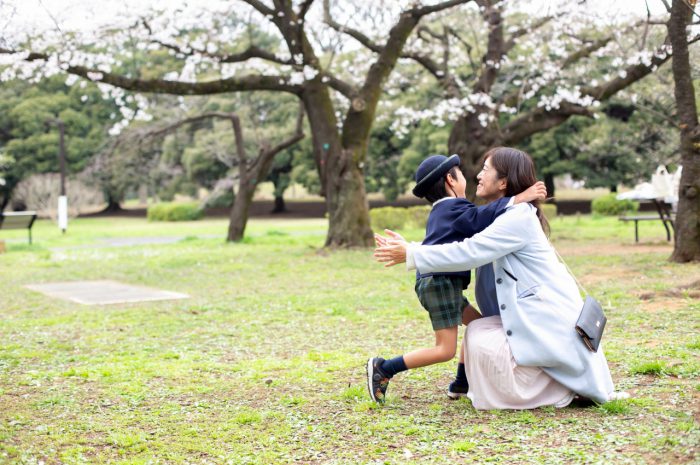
[341, 86]
[252, 51]
[304, 8]
[585, 51]
[261, 164]
[261, 7]
[354, 33]
[392, 50]
[369, 44]
[512, 40]
[162, 86]
[164, 130]
[428, 9]
[539, 120]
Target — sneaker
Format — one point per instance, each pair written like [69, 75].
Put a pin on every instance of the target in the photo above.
[582, 402]
[455, 391]
[377, 380]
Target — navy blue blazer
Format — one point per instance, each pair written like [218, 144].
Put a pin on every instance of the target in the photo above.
[455, 219]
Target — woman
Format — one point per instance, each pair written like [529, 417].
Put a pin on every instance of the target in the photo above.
[530, 355]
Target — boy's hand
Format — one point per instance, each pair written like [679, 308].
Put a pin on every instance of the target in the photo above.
[469, 314]
[537, 191]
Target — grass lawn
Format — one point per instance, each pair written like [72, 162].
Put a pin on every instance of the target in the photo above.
[264, 364]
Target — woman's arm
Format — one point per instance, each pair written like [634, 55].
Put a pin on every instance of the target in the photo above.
[474, 219]
[510, 232]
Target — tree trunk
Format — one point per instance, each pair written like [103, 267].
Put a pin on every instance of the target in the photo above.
[687, 224]
[280, 206]
[470, 140]
[143, 194]
[112, 205]
[549, 184]
[238, 217]
[348, 209]
[340, 172]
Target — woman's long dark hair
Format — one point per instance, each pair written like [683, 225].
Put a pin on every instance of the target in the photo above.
[518, 169]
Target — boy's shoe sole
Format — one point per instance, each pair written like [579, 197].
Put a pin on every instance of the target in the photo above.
[371, 387]
[457, 392]
[456, 395]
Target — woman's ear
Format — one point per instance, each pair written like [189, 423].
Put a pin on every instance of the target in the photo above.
[502, 184]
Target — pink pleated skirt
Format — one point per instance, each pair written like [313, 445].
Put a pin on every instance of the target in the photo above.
[496, 381]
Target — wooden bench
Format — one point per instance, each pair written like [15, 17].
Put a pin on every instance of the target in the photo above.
[18, 220]
[663, 214]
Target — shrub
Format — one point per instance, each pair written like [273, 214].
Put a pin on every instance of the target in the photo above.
[219, 200]
[418, 216]
[189, 211]
[610, 206]
[388, 218]
[549, 210]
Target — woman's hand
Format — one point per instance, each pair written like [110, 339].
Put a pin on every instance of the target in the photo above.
[381, 240]
[390, 250]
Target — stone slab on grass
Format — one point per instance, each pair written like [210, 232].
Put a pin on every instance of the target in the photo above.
[103, 292]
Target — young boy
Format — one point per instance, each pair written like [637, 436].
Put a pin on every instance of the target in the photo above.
[452, 218]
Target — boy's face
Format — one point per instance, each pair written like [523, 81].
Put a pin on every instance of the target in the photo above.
[457, 186]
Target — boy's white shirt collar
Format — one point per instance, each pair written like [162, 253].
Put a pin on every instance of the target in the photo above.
[410, 261]
[442, 200]
[510, 202]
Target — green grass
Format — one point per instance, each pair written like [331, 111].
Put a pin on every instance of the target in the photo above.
[265, 362]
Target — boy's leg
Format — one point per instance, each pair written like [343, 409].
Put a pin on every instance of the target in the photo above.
[460, 386]
[444, 350]
[380, 371]
[442, 298]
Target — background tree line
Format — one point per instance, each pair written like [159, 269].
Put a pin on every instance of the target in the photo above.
[577, 95]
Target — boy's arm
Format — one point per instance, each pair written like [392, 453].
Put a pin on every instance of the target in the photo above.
[475, 219]
[537, 191]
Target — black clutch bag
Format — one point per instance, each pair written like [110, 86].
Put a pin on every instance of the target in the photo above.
[591, 323]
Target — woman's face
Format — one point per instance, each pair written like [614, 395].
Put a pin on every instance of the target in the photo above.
[490, 187]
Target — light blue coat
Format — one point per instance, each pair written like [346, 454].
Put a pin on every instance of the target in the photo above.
[538, 298]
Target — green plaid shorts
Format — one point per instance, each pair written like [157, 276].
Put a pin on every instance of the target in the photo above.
[442, 297]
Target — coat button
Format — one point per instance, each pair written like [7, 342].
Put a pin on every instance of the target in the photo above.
[503, 306]
[509, 332]
[499, 281]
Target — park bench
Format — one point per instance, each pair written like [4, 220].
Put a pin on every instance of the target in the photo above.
[663, 214]
[18, 220]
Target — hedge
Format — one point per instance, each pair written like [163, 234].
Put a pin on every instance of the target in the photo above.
[399, 217]
[610, 206]
[172, 211]
[549, 210]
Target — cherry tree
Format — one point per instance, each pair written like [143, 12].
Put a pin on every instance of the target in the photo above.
[683, 16]
[507, 76]
[228, 48]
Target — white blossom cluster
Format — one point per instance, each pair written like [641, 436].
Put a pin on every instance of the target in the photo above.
[446, 110]
[532, 72]
[553, 102]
